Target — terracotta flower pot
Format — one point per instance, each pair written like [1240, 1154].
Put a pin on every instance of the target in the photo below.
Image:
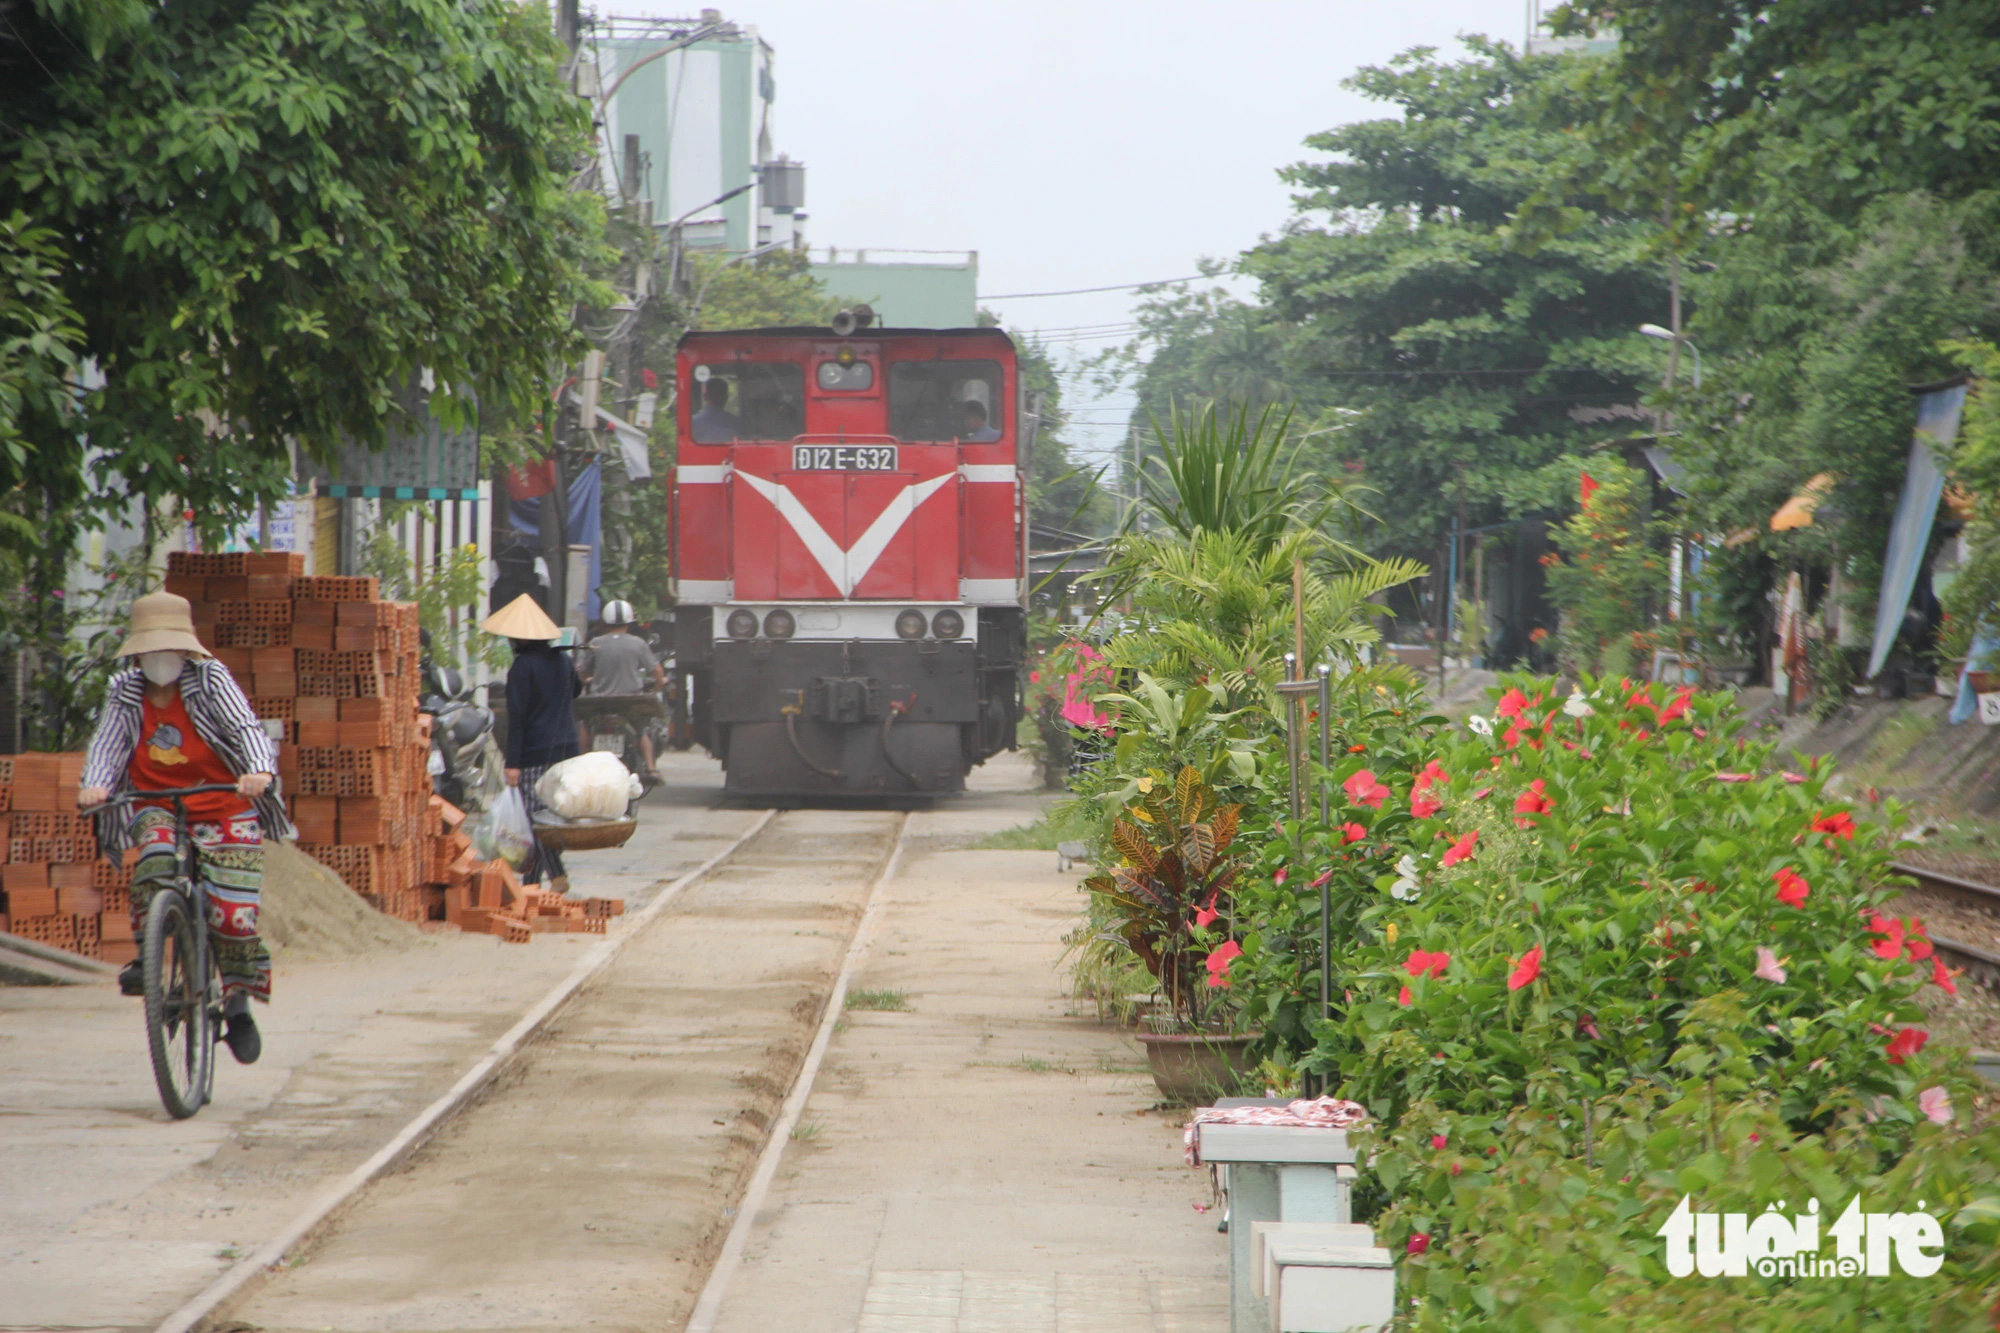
[1193, 1067]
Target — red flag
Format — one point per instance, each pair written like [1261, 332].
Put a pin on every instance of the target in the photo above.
[531, 480]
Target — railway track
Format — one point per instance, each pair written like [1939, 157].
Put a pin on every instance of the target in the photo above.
[652, 1085]
[1980, 964]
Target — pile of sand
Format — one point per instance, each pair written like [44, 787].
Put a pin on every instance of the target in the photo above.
[309, 909]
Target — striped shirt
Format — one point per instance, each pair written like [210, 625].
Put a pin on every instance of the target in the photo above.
[219, 712]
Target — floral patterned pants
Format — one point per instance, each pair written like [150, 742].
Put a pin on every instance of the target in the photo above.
[231, 855]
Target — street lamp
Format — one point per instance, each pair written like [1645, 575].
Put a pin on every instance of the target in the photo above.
[1655, 331]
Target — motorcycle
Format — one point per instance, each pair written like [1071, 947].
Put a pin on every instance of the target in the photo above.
[465, 762]
[613, 723]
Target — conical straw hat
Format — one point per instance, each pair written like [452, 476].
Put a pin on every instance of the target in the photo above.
[521, 619]
[161, 621]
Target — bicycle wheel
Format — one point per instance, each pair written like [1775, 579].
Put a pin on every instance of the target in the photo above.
[178, 1029]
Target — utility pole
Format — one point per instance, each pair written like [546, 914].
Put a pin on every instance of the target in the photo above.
[553, 512]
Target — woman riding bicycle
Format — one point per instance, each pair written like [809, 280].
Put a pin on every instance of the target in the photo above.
[178, 720]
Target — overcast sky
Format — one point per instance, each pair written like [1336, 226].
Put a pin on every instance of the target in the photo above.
[1071, 144]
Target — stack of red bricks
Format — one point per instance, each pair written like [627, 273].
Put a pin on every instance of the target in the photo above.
[333, 671]
[488, 897]
[53, 887]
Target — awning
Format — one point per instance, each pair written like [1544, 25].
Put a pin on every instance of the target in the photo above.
[1797, 512]
[1916, 509]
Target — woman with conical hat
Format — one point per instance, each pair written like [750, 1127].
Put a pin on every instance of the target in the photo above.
[176, 718]
[541, 722]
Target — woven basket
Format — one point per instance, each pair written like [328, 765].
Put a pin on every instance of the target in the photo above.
[589, 837]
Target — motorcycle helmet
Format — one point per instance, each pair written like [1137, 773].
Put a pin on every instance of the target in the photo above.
[618, 613]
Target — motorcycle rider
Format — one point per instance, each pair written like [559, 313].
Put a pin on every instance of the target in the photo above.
[620, 662]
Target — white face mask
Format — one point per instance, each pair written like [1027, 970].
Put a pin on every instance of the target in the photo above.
[163, 668]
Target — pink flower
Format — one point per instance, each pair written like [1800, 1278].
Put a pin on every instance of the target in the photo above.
[1207, 912]
[1839, 824]
[1419, 1242]
[1363, 789]
[1219, 961]
[1423, 805]
[1352, 833]
[1735, 777]
[1589, 1027]
[1768, 966]
[1284, 873]
[1322, 881]
[1792, 887]
[1433, 772]
[1437, 1142]
[1462, 849]
[1526, 968]
[1404, 997]
[1935, 1103]
[1905, 1043]
[1795, 778]
[1482, 793]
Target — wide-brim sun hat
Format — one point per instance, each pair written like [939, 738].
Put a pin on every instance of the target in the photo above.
[161, 622]
[521, 618]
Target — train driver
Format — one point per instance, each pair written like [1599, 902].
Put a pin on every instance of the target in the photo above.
[715, 423]
[972, 427]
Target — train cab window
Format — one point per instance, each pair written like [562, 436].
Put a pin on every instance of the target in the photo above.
[851, 377]
[746, 400]
[946, 400]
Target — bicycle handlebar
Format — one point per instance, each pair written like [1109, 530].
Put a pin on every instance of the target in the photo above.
[132, 796]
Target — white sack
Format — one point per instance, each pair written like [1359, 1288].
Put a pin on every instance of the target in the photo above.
[590, 786]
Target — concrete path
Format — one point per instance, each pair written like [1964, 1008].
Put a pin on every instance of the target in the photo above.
[991, 1160]
[111, 1214]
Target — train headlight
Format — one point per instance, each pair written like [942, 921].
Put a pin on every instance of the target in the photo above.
[948, 624]
[910, 624]
[742, 624]
[779, 625]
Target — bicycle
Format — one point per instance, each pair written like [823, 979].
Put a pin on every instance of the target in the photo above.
[183, 983]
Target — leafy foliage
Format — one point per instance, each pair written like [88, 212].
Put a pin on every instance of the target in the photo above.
[1173, 860]
[274, 214]
[1610, 578]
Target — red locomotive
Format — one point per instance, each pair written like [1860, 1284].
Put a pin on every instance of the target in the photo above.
[848, 535]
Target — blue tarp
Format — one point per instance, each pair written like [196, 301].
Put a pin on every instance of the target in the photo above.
[1916, 510]
[586, 526]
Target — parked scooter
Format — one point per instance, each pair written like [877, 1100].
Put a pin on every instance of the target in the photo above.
[465, 762]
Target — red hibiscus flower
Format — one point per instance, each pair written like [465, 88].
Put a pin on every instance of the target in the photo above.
[1839, 824]
[1482, 793]
[1462, 849]
[1419, 1242]
[1219, 961]
[1363, 789]
[1942, 975]
[1284, 873]
[1433, 772]
[1422, 964]
[1423, 805]
[1677, 706]
[1905, 1043]
[1735, 777]
[1352, 833]
[1512, 704]
[1437, 1141]
[1526, 968]
[1792, 887]
[1207, 912]
[1532, 802]
[1323, 880]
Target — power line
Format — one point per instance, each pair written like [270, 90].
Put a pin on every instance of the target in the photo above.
[1085, 291]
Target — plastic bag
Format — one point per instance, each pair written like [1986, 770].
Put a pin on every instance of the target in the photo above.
[591, 786]
[503, 832]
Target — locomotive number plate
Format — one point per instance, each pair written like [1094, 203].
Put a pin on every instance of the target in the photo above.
[844, 457]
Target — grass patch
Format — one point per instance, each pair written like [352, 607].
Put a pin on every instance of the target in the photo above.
[1065, 821]
[1035, 1065]
[806, 1131]
[882, 1001]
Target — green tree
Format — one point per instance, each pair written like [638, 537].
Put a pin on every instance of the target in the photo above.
[276, 213]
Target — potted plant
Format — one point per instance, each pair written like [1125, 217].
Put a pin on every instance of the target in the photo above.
[1164, 898]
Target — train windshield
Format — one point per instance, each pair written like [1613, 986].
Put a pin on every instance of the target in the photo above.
[946, 400]
[746, 400]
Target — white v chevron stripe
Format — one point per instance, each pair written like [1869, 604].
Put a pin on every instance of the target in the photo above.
[846, 568]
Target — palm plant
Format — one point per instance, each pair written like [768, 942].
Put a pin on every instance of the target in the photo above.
[1223, 472]
[1214, 609]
